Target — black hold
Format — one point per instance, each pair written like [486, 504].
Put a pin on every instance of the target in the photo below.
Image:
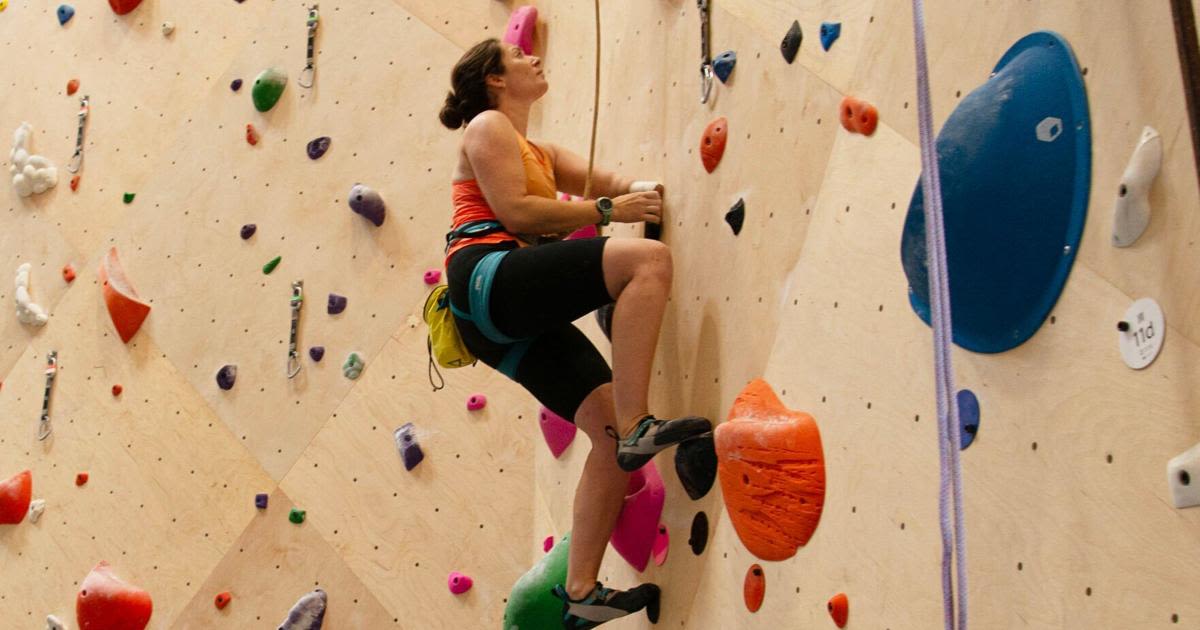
[337, 304]
[236, 85]
[226, 377]
[696, 465]
[248, 230]
[724, 64]
[1123, 326]
[604, 318]
[736, 216]
[699, 538]
[406, 442]
[652, 231]
[316, 353]
[791, 42]
[318, 146]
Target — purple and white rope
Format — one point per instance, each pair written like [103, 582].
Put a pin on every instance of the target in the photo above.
[949, 432]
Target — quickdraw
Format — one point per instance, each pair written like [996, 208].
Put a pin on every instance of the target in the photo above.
[77, 158]
[44, 428]
[293, 363]
[306, 75]
[706, 64]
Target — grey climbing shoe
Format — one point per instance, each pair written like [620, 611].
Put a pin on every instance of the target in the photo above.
[605, 604]
[652, 435]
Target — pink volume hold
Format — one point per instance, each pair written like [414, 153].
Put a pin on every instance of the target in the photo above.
[559, 432]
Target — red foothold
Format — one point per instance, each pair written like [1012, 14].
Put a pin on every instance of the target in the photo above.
[75, 183]
[117, 389]
[72, 86]
[81, 478]
[69, 273]
[222, 600]
[754, 588]
[839, 609]
[251, 135]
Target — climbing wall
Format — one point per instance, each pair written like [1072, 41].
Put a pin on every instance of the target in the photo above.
[1068, 516]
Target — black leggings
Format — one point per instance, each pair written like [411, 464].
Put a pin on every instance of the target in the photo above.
[537, 293]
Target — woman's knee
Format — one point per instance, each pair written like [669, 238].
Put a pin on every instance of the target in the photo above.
[627, 259]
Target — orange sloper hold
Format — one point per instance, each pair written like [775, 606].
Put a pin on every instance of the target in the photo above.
[839, 609]
[15, 494]
[126, 309]
[754, 588]
[106, 602]
[772, 471]
[712, 144]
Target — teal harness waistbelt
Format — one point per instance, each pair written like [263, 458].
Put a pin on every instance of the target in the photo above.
[479, 295]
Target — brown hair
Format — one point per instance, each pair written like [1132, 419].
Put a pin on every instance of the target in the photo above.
[470, 96]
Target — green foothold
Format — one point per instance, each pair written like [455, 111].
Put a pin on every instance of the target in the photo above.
[269, 267]
[532, 604]
[353, 366]
[268, 87]
[129, 197]
[296, 516]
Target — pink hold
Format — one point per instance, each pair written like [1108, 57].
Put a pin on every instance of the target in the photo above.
[548, 544]
[662, 544]
[459, 583]
[521, 26]
[476, 402]
[637, 526]
[433, 276]
[587, 231]
[558, 432]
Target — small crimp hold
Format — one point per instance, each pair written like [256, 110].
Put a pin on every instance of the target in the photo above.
[296, 515]
[248, 230]
[736, 216]
[222, 600]
[68, 272]
[337, 304]
[260, 500]
[353, 366]
[226, 377]
[81, 478]
[317, 147]
[791, 42]
[316, 353]
[724, 64]
[830, 31]
[251, 134]
[459, 583]
[36, 507]
[54, 623]
[74, 183]
[433, 276]
[128, 197]
[65, 13]
[406, 442]
[117, 389]
[72, 87]
[272, 264]
[235, 85]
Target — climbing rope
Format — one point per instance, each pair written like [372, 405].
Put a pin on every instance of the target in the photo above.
[587, 186]
[949, 439]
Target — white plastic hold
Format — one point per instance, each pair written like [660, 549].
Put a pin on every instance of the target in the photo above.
[32, 174]
[168, 28]
[27, 311]
[1132, 212]
[36, 507]
[53, 623]
[1183, 477]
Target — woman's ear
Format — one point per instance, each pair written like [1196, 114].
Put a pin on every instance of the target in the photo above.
[494, 81]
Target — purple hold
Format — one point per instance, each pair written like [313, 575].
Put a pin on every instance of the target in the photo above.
[226, 377]
[236, 85]
[337, 304]
[260, 501]
[410, 450]
[316, 353]
[365, 201]
[318, 147]
[248, 230]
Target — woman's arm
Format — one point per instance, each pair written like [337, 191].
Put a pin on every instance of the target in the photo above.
[570, 173]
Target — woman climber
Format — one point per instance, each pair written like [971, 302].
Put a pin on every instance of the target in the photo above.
[515, 299]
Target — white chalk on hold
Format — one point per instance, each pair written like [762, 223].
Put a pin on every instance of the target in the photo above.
[643, 186]
[27, 311]
[36, 507]
[1131, 214]
[53, 623]
[31, 174]
[1183, 477]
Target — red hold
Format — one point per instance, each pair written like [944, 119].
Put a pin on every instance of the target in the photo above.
[81, 478]
[839, 609]
[15, 494]
[754, 588]
[859, 116]
[121, 7]
[222, 600]
[106, 602]
[74, 183]
[117, 389]
[72, 86]
[712, 145]
[68, 273]
[251, 134]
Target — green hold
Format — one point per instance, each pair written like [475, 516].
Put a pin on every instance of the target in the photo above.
[268, 87]
[269, 267]
[532, 604]
[129, 197]
[353, 366]
[296, 516]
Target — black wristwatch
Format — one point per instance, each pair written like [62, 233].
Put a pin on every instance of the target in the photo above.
[605, 206]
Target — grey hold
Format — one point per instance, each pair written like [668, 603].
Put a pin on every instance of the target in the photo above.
[226, 377]
[308, 613]
[365, 201]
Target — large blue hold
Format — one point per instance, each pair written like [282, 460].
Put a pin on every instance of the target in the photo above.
[1016, 160]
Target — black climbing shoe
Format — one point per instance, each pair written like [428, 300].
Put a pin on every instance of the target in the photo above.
[652, 435]
[605, 604]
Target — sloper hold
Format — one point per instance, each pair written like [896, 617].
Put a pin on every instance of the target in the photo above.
[226, 377]
[754, 588]
[317, 147]
[791, 42]
[126, 309]
[696, 465]
[830, 31]
[532, 603]
[698, 540]
[724, 64]
[268, 87]
[968, 416]
[858, 116]
[65, 13]
[121, 7]
[839, 609]
[1183, 477]
[522, 25]
[772, 470]
[366, 201]
[558, 431]
[406, 443]
[15, 494]
[1131, 214]
[637, 525]
[736, 216]
[106, 602]
[308, 613]
[712, 143]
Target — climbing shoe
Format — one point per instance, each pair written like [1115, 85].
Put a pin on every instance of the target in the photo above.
[652, 435]
[605, 604]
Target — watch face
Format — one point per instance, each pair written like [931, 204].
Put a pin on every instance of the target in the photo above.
[604, 203]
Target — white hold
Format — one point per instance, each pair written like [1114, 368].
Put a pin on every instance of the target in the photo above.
[1183, 477]
[168, 28]
[53, 623]
[32, 174]
[36, 507]
[1131, 214]
[27, 311]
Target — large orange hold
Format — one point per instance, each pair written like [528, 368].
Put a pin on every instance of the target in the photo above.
[121, 7]
[712, 145]
[127, 310]
[15, 494]
[754, 588]
[839, 609]
[772, 471]
[106, 602]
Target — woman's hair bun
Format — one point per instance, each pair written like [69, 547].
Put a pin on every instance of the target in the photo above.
[450, 116]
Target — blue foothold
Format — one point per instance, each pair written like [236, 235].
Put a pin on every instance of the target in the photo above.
[968, 416]
[829, 33]
[65, 13]
[723, 65]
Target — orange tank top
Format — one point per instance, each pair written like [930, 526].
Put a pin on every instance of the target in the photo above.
[470, 204]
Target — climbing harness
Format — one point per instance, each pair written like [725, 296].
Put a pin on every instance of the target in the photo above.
[306, 75]
[954, 543]
[706, 63]
[293, 364]
[77, 159]
[44, 428]
[479, 297]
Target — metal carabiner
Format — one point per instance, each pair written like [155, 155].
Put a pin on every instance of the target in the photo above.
[44, 428]
[77, 158]
[293, 364]
[307, 74]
